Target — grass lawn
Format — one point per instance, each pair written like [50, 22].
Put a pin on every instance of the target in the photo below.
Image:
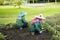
[31, 12]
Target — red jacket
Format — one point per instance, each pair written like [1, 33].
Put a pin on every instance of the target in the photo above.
[36, 20]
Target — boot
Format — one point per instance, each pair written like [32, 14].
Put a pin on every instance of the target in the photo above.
[32, 33]
[40, 32]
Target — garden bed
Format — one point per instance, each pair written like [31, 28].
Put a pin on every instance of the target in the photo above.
[17, 34]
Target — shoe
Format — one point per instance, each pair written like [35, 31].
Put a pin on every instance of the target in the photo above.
[32, 33]
[40, 32]
[21, 28]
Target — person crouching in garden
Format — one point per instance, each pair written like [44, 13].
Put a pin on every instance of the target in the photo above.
[36, 24]
[21, 22]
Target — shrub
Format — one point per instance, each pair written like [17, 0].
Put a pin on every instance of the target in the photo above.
[2, 25]
[53, 31]
[1, 2]
[2, 36]
[19, 3]
[57, 28]
[10, 25]
[55, 37]
[51, 21]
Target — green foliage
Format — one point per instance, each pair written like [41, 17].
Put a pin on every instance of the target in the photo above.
[55, 37]
[58, 0]
[51, 21]
[57, 28]
[7, 0]
[1, 2]
[19, 3]
[2, 25]
[2, 36]
[54, 20]
[7, 26]
[15, 2]
[10, 25]
[53, 31]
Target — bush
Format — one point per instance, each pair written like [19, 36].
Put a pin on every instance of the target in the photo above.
[2, 25]
[51, 21]
[10, 25]
[57, 28]
[2, 36]
[55, 37]
[19, 3]
[1, 2]
[53, 31]
[7, 26]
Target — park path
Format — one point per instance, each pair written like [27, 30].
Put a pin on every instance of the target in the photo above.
[17, 34]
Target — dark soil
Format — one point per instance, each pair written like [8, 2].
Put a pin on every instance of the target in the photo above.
[17, 34]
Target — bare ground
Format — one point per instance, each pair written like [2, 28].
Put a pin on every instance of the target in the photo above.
[17, 34]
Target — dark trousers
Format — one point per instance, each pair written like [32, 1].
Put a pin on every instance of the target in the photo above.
[25, 24]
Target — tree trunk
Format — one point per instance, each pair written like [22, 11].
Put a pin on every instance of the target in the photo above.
[55, 1]
[44, 1]
[11, 2]
[48, 1]
[33, 1]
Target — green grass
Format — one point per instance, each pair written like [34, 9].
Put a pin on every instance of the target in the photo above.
[31, 12]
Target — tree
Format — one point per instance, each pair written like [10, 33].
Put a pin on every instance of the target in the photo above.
[1, 2]
[19, 3]
[6, 2]
[15, 2]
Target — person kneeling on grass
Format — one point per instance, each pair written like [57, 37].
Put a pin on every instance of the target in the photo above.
[36, 24]
[21, 22]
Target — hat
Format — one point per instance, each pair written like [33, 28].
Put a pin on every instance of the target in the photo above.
[40, 16]
[22, 14]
